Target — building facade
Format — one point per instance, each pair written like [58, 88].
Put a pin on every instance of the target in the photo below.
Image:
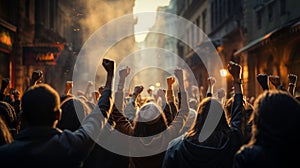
[193, 35]
[271, 44]
[31, 29]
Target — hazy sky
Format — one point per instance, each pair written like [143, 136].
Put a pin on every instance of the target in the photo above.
[146, 6]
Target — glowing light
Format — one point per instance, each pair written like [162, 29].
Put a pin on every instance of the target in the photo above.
[152, 87]
[157, 84]
[148, 22]
[223, 72]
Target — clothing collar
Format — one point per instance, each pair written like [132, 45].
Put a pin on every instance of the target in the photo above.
[37, 133]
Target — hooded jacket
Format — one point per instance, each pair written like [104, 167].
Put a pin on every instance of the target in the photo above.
[155, 145]
[184, 152]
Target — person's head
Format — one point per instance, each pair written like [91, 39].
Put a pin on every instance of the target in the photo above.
[150, 120]
[208, 105]
[228, 108]
[74, 111]
[8, 114]
[5, 136]
[40, 106]
[221, 93]
[276, 119]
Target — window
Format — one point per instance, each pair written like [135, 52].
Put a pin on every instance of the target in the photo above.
[192, 35]
[204, 21]
[52, 17]
[219, 12]
[212, 19]
[198, 27]
[188, 37]
[258, 19]
[27, 8]
[282, 7]
[229, 7]
[270, 13]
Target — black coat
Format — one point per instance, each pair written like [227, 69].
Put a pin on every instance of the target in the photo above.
[182, 152]
[50, 147]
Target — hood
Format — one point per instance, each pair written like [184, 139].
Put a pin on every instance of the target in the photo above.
[199, 155]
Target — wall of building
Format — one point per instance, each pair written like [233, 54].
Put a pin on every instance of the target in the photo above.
[272, 34]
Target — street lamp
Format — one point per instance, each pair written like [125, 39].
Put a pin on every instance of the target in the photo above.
[157, 84]
[223, 72]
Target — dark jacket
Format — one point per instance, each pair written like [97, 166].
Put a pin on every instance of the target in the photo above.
[183, 152]
[50, 147]
[157, 144]
[275, 142]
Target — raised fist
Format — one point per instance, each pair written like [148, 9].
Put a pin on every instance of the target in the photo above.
[109, 65]
[275, 80]
[124, 72]
[170, 80]
[292, 79]
[211, 80]
[235, 70]
[138, 89]
[263, 80]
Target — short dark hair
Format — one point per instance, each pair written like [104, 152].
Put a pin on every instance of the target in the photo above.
[40, 104]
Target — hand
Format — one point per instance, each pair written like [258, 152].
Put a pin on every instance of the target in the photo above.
[100, 89]
[170, 80]
[36, 76]
[211, 81]
[263, 80]
[109, 65]
[124, 72]
[16, 94]
[235, 70]
[69, 85]
[275, 80]
[5, 83]
[138, 89]
[292, 79]
[90, 83]
[179, 74]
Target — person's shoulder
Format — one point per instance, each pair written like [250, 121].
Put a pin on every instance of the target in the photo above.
[176, 143]
[249, 154]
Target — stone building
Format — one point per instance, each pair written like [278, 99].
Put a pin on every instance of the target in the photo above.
[36, 24]
[271, 42]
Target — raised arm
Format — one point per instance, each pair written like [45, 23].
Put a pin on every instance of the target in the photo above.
[238, 117]
[131, 106]
[95, 122]
[36, 77]
[165, 106]
[171, 97]
[68, 87]
[178, 123]
[4, 87]
[211, 83]
[122, 123]
[292, 83]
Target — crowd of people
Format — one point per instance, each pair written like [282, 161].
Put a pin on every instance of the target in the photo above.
[43, 128]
